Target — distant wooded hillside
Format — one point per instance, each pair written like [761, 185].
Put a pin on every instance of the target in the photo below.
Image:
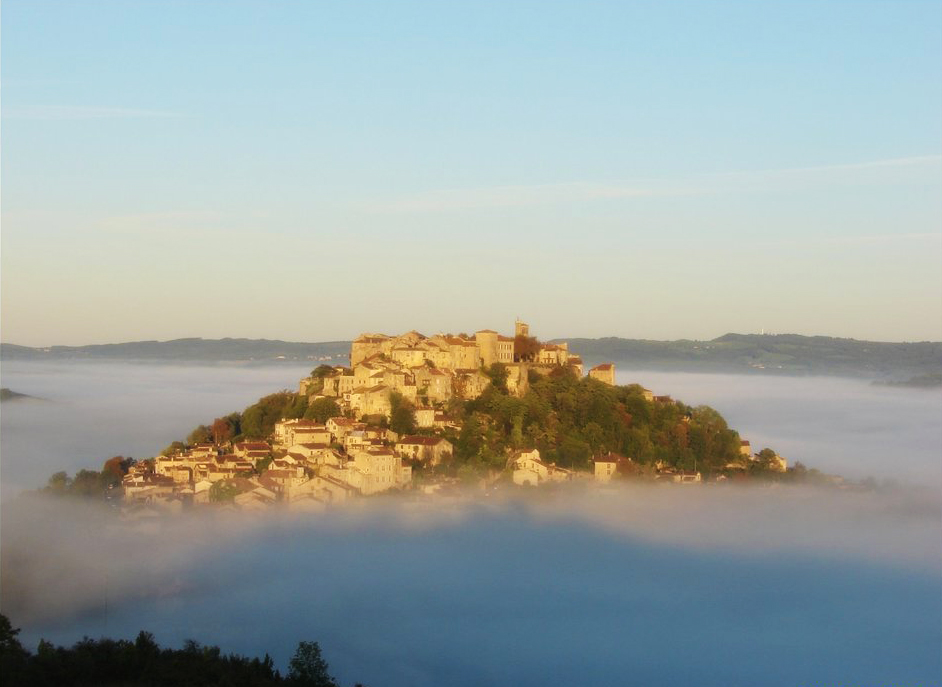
[189, 350]
[780, 353]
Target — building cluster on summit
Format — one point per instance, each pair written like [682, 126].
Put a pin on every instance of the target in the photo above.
[430, 371]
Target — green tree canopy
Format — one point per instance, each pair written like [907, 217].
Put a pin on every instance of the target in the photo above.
[322, 409]
[402, 414]
[200, 435]
[308, 668]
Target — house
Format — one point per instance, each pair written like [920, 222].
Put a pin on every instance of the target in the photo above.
[371, 401]
[605, 373]
[428, 449]
[376, 470]
[432, 384]
[296, 431]
[324, 487]
[606, 467]
[251, 450]
[424, 417]
[308, 433]
[336, 384]
[679, 476]
[340, 426]
[280, 479]
[310, 453]
[255, 497]
[149, 489]
[529, 469]
[745, 449]
[205, 450]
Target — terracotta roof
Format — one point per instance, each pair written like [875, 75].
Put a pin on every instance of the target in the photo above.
[603, 366]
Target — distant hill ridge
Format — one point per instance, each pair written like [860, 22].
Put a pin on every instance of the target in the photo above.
[771, 353]
[190, 349]
[778, 353]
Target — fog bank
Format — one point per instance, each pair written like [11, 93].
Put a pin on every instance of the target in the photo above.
[92, 411]
[842, 426]
[657, 585]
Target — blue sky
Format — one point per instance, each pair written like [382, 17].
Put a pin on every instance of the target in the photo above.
[307, 171]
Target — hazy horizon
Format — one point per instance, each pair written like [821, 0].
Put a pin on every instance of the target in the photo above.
[436, 331]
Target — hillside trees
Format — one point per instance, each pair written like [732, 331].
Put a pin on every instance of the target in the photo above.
[571, 420]
[201, 435]
[526, 348]
[90, 483]
[402, 414]
[258, 420]
[322, 409]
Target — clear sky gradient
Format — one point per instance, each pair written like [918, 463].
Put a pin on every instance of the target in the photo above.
[311, 170]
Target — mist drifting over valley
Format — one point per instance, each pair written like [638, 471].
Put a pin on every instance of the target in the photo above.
[665, 585]
[659, 585]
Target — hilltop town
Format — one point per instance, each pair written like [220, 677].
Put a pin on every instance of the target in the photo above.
[423, 414]
[430, 371]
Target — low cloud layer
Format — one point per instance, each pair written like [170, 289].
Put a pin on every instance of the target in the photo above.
[709, 585]
[586, 587]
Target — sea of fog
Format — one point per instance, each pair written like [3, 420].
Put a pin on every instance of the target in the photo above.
[91, 411]
[844, 426]
[712, 585]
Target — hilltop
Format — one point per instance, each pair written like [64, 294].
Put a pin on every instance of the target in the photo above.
[420, 414]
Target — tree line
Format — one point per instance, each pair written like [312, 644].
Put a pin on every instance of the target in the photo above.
[142, 662]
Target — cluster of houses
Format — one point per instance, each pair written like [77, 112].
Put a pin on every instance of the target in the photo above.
[310, 465]
[430, 371]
